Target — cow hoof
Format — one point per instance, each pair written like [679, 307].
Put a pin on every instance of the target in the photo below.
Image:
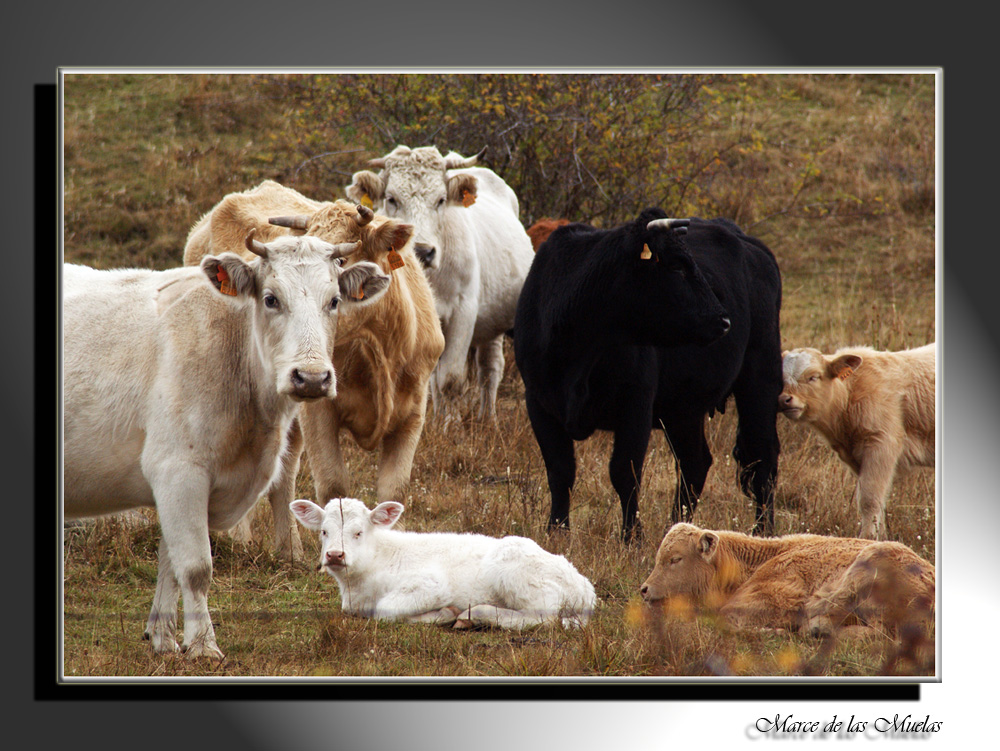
[202, 649]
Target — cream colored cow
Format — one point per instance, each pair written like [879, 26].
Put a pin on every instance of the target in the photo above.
[875, 409]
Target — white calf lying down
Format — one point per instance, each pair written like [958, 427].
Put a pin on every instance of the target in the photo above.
[441, 577]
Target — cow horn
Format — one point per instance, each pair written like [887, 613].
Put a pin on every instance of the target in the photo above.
[678, 225]
[255, 247]
[378, 163]
[365, 215]
[300, 221]
[454, 163]
[343, 249]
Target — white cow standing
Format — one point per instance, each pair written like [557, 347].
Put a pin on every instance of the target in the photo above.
[474, 249]
[179, 390]
[442, 577]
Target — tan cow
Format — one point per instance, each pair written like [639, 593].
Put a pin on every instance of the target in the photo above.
[875, 409]
[811, 582]
[539, 231]
[385, 352]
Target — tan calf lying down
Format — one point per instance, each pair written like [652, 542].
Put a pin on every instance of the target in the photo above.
[811, 582]
[875, 409]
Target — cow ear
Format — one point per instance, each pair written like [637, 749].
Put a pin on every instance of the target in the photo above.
[363, 283]
[391, 235]
[708, 544]
[309, 514]
[367, 188]
[843, 366]
[462, 189]
[386, 514]
[229, 274]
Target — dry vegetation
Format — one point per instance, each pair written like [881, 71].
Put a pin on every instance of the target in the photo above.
[834, 172]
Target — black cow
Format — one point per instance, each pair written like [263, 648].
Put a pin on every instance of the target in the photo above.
[626, 330]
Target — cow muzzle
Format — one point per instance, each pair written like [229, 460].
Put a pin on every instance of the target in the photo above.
[334, 559]
[425, 253]
[789, 406]
[307, 384]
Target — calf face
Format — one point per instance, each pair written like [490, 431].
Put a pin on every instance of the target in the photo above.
[685, 564]
[414, 187]
[346, 528]
[813, 382]
[296, 288]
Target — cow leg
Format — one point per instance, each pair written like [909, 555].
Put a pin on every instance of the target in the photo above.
[287, 544]
[492, 616]
[756, 451]
[396, 462]
[489, 370]
[625, 470]
[321, 436]
[161, 628]
[560, 460]
[181, 493]
[686, 436]
[878, 466]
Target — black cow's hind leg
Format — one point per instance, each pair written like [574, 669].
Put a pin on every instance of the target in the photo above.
[560, 461]
[757, 445]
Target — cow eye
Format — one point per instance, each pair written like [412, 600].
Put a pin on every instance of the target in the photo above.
[813, 378]
[322, 533]
[334, 303]
[391, 201]
[678, 559]
[270, 301]
[440, 203]
[357, 535]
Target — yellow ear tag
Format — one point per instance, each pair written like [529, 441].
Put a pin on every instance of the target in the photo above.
[224, 285]
[395, 260]
[467, 198]
[845, 374]
[366, 200]
[646, 253]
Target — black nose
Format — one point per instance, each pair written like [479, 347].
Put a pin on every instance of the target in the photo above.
[310, 385]
[425, 253]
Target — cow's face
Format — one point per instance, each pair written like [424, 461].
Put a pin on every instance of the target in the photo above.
[415, 187]
[346, 530]
[296, 289]
[685, 565]
[813, 382]
[665, 297]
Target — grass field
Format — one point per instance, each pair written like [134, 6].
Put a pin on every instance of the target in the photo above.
[837, 177]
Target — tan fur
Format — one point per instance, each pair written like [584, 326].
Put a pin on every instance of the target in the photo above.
[875, 409]
[813, 582]
[384, 352]
[539, 231]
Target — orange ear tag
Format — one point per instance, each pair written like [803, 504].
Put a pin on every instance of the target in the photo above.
[361, 294]
[845, 374]
[467, 198]
[646, 253]
[395, 260]
[224, 286]
[366, 200]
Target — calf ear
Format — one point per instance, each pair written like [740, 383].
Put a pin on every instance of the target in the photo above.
[308, 513]
[708, 545]
[367, 188]
[229, 274]
[386, 514]
[462, 189]
[363, 283]
[843, 366]
[391, 235]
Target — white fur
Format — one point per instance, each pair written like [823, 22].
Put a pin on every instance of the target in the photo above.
[509, 582]
[482, 258]
[178, 396]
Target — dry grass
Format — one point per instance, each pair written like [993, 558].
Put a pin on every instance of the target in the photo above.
[841, 188]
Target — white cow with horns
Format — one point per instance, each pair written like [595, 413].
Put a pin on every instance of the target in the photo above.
[179, 390]
[474, 249]
[462, 580]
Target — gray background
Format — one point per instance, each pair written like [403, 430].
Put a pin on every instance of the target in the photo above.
[588, 33]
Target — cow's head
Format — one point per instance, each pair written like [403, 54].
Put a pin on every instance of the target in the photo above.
[415, 187]
[296, 287]
[377, 237]
[347, 530]
[687, 565]
[661, 293]
[813, 382]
